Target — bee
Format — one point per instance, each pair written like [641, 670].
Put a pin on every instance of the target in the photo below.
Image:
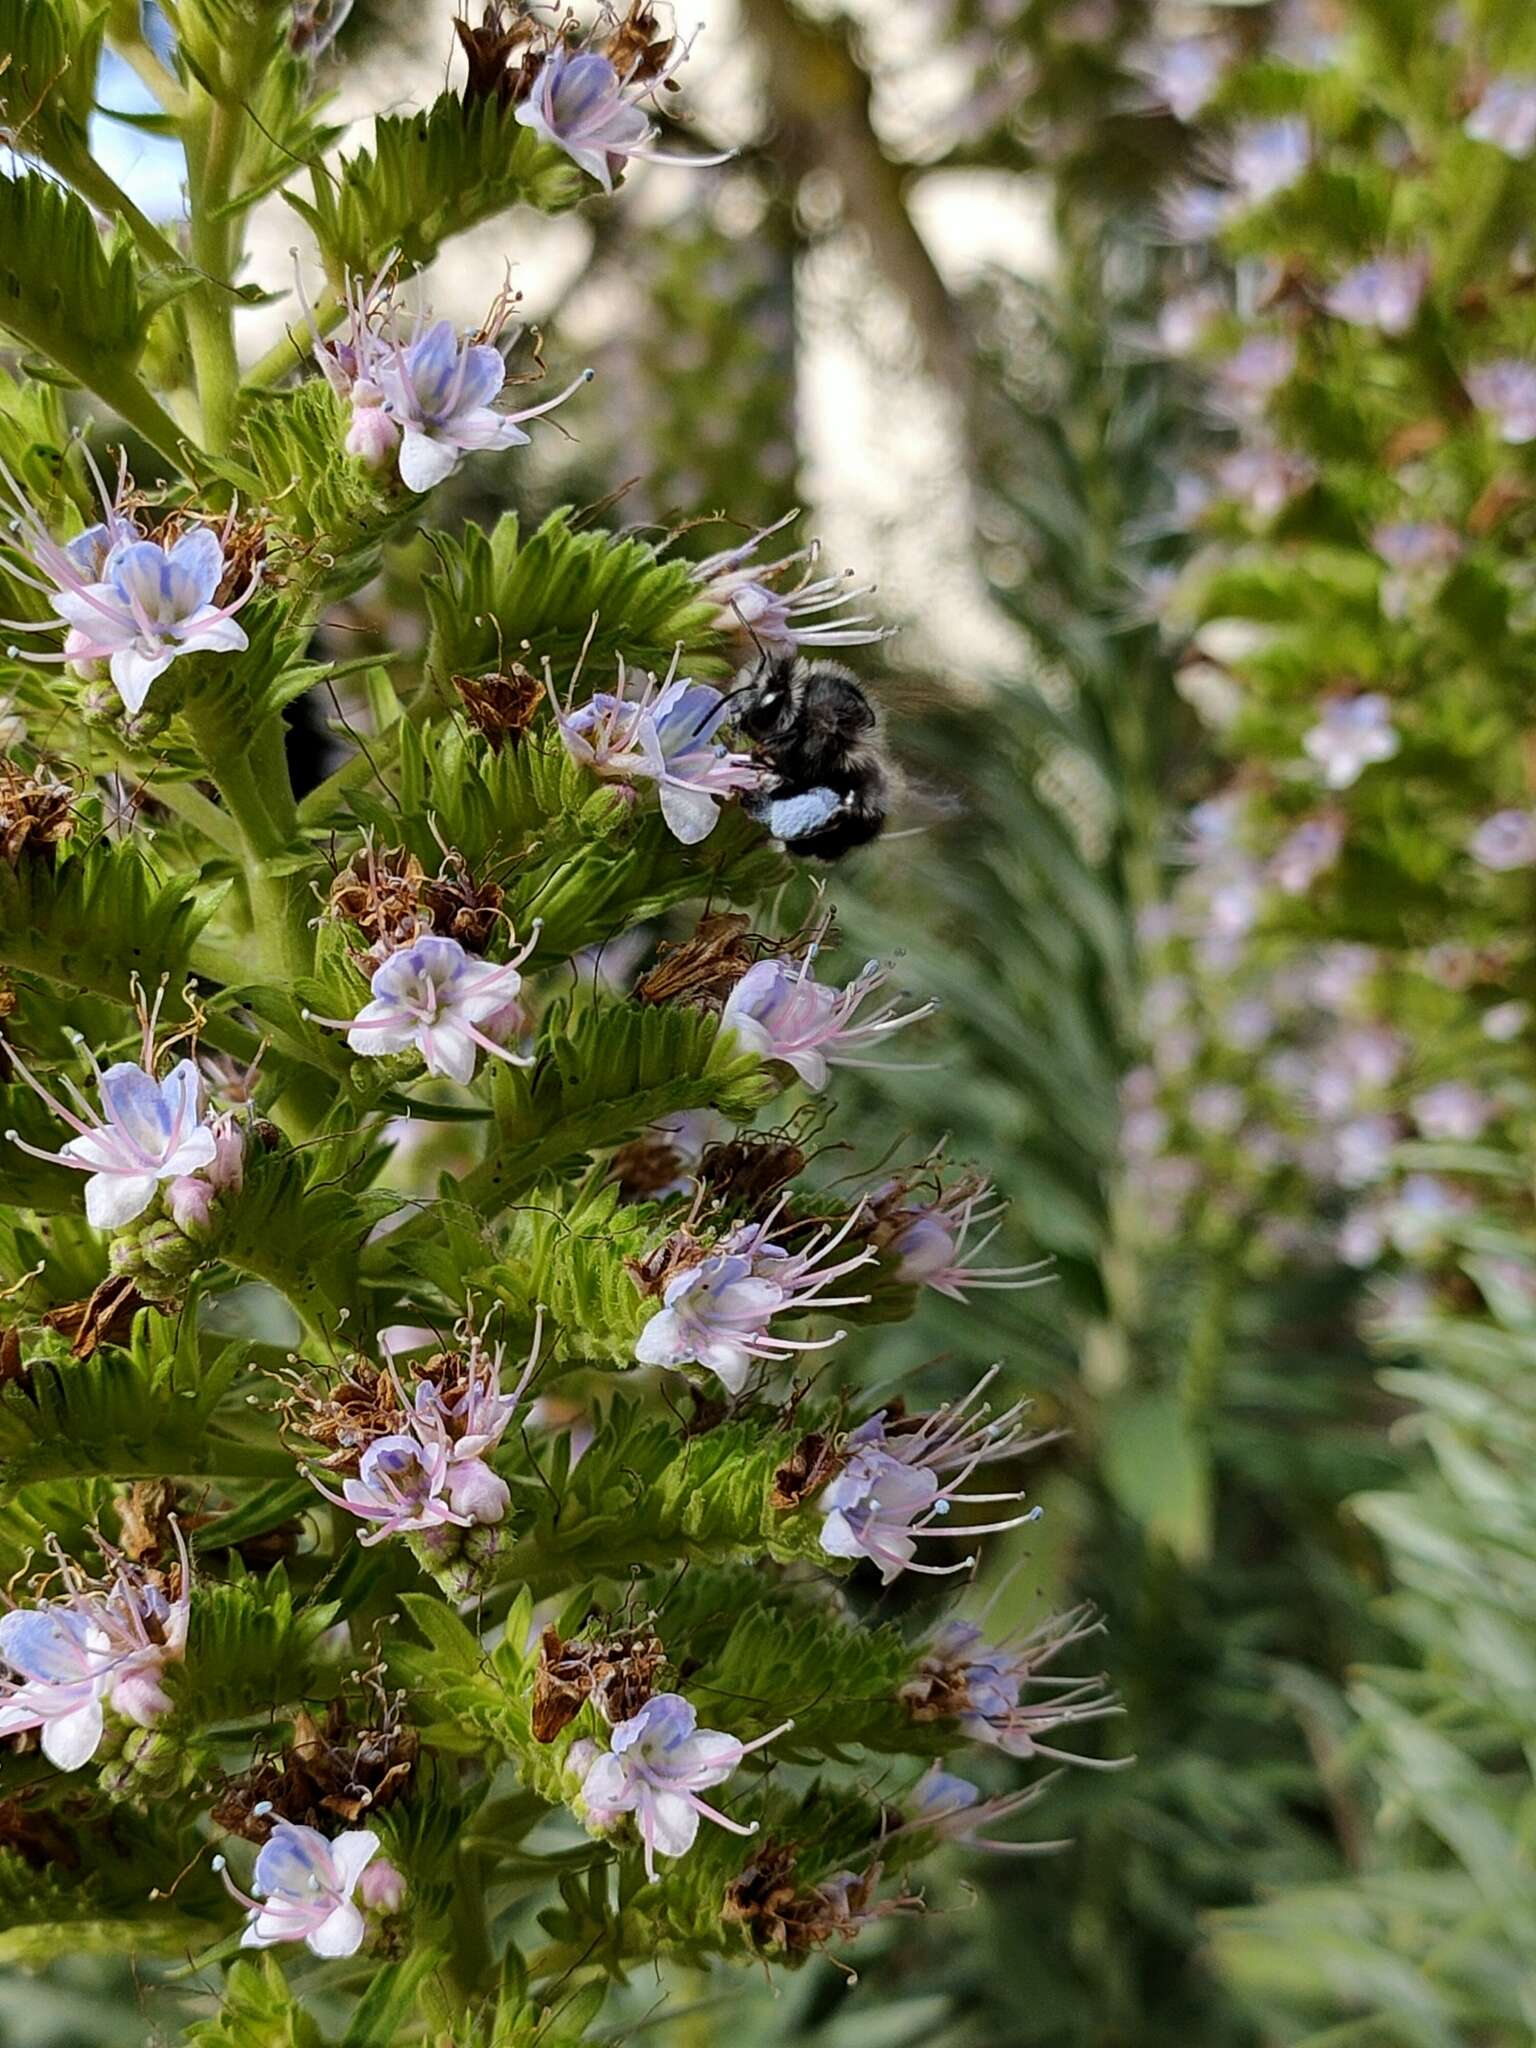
[812, 725]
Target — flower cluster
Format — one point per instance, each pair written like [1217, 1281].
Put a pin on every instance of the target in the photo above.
[132, 603]
[434, 999]
[431, 1474]
[781, 1012]
[92, 1648]
[716, 1309]
[902, 1480]
[667, 737]
[655, 1766]
[423, 399]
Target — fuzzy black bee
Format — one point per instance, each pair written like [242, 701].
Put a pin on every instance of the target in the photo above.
[812, 725]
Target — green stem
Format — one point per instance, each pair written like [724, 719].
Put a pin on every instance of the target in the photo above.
[248, 782]
[214, 143]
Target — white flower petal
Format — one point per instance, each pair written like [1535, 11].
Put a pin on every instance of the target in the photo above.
[113, 1199]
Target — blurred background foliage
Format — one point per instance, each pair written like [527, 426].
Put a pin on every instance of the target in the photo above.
[942, 300]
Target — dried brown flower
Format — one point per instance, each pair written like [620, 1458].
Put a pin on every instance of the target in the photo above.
[330, 1771]
[617, 1674]
[747, 1171]
[805, 1471]
[460, 907]
[105, 1317]
[701, 970]
[380, 893]
[674, 1255]
[35, 813]
[502, 706]
[635, 50]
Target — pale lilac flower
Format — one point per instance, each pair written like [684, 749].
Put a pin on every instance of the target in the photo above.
[1363, 1236]
[1005, 1695]
[401, 1487]
[901, 1481]
[381, 1887]
[665, 736]
[1385, 294]
[1143, 1133]
[929, 1241]
[1453, 1110]
[1339, 974]
[808, 613]
[1268, 157]
[716, 1313]
[580, 103]
[434, 998]
[1184, 321]
[1353, 734]
[468, 1422]
[778, 1011]
[1506, 389]
[61, 1654]
[1246, 1024]
[438, 393]
[304, 1886]
[1264, 478]
[1418, 552]
[96, 1644]
[130, 602]
[1194, 213]
[952, 1808]
[1505, 116]
[1419, 1219]
[1307, 852]
[938, 1792]
[557, 1412]
[1505, 841]
[1256, 370]
[656, 1765]
[1417, 544]
[1505, 1021]
[148, 1132]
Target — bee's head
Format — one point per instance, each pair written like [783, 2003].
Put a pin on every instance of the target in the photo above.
[766, 701]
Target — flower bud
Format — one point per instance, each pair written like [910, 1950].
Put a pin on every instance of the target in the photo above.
[475, 1490]
[373, 434]
[381, 1888]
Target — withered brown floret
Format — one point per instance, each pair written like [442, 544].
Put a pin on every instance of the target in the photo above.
[36, 813]
[502, 706]
[805, 1471]
[701, 970]
[617, 1673]
[330, 1772]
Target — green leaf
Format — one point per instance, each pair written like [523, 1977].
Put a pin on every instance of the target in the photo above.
[428, 176]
